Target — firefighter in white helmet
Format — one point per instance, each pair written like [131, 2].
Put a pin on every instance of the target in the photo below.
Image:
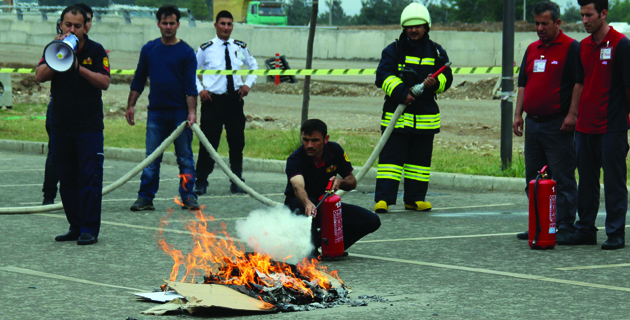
[408, 61]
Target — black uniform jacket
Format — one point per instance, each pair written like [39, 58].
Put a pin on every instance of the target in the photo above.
[404, 64]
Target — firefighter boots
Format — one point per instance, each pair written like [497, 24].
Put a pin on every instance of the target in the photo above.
[419, 206]
[380, 207]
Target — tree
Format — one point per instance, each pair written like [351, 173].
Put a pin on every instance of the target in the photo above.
[380, 12]
[339, 17]
[619, 11]
[441, 11]
[298, 13]
[571, 13]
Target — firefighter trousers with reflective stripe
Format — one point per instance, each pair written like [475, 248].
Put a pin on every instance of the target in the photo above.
[407, 156]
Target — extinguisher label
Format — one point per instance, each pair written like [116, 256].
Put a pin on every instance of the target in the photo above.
[552, 214]
[337, 223]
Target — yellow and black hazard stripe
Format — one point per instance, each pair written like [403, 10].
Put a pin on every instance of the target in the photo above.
[292, 72]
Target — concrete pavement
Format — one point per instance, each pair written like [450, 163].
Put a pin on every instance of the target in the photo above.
[461, 260]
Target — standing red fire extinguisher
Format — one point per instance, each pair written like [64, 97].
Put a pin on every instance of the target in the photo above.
[542, 212]
[331, 224]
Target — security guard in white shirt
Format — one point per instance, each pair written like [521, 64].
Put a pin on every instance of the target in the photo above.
[222, 99]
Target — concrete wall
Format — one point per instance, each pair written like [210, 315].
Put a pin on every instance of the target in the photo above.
[475, 49]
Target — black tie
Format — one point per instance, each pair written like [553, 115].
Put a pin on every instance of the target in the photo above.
[228, 66]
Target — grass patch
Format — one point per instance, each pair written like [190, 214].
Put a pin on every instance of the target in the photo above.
[272, 143]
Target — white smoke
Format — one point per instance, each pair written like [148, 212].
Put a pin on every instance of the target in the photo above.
[278, 233]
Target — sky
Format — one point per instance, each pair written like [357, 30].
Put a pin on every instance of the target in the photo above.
[352, 7]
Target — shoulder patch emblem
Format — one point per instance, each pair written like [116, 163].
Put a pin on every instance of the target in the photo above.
[105, 62]
[346, 156]
[206, 45]
[240, 43]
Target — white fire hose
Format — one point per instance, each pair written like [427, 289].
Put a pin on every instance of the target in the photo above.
[230, 174]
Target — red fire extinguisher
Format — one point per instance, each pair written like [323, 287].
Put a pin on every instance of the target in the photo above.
[331, 224]
[542, 212]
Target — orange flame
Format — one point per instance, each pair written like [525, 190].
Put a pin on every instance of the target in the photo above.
[185, 177]
[222, 259]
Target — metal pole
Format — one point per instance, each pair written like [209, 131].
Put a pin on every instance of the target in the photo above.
[524, 6]
[330, 9]
[507, 84]
[309, 60]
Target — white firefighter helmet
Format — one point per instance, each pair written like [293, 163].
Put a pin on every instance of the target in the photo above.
[415, 14]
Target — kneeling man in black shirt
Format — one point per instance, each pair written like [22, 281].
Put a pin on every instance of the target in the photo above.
[310, 168]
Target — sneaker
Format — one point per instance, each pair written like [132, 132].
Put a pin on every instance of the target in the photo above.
[48, 201]
[191, 203]
[201, 188]
[380, 207]
[236, 189]
[578, 238]
[419, 206]
[523, 235]
[142, 204]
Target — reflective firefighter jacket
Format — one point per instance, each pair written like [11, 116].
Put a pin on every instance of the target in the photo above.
[403, 65]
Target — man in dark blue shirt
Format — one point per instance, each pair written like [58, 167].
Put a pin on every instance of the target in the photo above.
[171, 64]
[310, 168]
[76, 128]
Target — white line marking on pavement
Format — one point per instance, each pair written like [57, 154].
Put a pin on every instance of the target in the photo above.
[40, 184]
[466, 207]
[595, 267]
[133, 226]
[441, 237]
[171, 199]
[43, 169]
[58, 277]
[494, 272]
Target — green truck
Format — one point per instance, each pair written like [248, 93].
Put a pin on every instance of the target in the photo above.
[271, 13]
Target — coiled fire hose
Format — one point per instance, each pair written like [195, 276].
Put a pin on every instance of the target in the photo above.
[416, 91]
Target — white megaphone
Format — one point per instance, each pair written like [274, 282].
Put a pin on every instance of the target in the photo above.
[59, 55]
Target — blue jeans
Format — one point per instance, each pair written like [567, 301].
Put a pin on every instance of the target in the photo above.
[160, 124]
[79, 159]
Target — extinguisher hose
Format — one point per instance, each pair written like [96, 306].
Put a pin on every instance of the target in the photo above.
[538, 228]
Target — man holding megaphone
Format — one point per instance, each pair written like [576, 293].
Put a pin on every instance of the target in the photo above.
[78, 69]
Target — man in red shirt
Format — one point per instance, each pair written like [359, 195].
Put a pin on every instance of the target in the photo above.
[546, 83]
[602, 127]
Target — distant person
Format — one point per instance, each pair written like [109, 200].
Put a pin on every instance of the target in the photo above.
[602, 127]
[222, 99]
[76, 128]
[50, 173]
[309, 169]
[171, 64]
[410, 60]
[545, 86]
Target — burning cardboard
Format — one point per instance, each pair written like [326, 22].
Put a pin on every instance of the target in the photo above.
[239, 280]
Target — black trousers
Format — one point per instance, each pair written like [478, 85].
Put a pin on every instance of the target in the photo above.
[405, 155]
[607, 151]
[357, 222]
[224, 110]
[51, 179]
[545, 144]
